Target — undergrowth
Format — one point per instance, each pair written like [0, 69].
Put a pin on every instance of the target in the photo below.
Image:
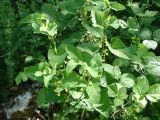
[96, 59]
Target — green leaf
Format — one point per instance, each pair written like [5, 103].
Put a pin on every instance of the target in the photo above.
[47, 79]
[147, 13]
[70, 66]
[116, 6]
[47, 96]
[92, 70]
[111, 19]
[114, 71]
[156, 35]
[52, 28]
[49, 29]
[32, 18]
[118, 102]
[21, 77]
[104, 106]
[150, 44]
[96, 5]
[96, 31]
[96, 60]
[30, 71]
[76, 94]
[122, 93]
[141, 86]
[136, 7]
[41, 23]
[77, 54]
[153, 93]
[98, 99]
[103, 81]
[117, 43]
[34, 72]
[89, 47]
[73, 52]
[146, 34]
[157, 2]
[93, 92]
[113, 89]
[118, 52]
[128, 80]
[132, 24]
[84, 57]
[154, 89]
[121, 62]
[140, 100]
[98, 19]
[153, 66]
[118, 92]
[73, 38]
[29, 59]
[73, 80]
[94, 67]
[50, 10]
[38, 73]
[71, 6]
[119, 23]
[56, 60]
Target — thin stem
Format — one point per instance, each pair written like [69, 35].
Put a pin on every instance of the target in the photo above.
[55, 47]
[82, 114]
[53, 44]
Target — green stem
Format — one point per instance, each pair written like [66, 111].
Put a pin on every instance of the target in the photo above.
[103, 45]
[53, 44]
[82, 115]
[55, 47]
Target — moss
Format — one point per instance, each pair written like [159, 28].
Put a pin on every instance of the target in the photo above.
[23, 115]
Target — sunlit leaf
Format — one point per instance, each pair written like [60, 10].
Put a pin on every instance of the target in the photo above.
[116, 6]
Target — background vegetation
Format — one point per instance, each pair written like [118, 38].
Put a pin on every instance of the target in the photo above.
[95, 59]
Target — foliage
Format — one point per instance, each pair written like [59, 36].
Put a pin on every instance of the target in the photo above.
[99, 64]
[17, 43]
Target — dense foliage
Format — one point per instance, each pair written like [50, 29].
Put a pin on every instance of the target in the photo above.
[16, 42]
[96, 59]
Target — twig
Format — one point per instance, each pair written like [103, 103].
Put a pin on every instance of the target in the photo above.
[40, 115]
[82, 115]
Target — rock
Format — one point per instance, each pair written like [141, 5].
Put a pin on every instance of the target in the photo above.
[19, 103]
